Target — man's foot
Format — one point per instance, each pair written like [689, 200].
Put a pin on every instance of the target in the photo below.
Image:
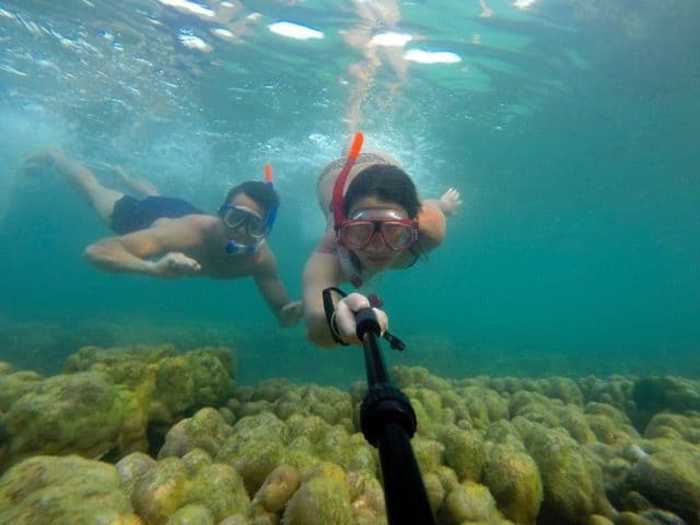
[41, 161]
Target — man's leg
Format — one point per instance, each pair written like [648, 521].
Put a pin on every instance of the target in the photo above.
[136, 185]
[100, 197]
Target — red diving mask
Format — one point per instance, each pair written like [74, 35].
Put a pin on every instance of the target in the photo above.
[397, 232]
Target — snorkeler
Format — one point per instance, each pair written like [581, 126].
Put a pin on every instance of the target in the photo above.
[375, 222]
[169, 238]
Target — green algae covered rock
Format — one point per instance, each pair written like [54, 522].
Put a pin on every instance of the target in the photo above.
[514, 480]
[286, 400]
[14, 385]
[674, 426]
[5, 368]
[610, 426]
[111, 359]
[278, 488]
[108, 400]
[552, 413]
[677, 394]
[671, 480]
[170, 383]
[169, 486]
[255, 448]
[192, 515]
[64, 491]
[465, 452]
[80, 413]
[294, 448]
[504, 433]
[206, 430]
[159, 493]
[238, 519]
[595, 519]
[220, 489]
[615, 390]
[367, 495]
[562, 388]
[469, 502]
[132, 468]
[428, 452]
[132, 366]
[653, 395]
[192, 380]
[196, 459]
[572, 481]
[260, 443]
[320, 500]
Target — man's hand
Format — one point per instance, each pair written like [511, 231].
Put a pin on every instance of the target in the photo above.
[176, 264]
[450, 201]
[345, 321]
[291, 313]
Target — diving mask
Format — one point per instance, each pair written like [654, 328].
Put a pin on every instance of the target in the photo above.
[397, 232]
[244, 220]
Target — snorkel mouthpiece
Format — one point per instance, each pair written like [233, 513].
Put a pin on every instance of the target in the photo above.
[234, 248]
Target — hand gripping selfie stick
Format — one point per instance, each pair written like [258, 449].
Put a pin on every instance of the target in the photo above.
[388, 423]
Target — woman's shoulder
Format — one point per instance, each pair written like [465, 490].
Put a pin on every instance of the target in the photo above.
[327, 243]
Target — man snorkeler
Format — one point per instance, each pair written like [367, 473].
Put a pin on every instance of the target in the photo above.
[375, 222]
[170, 238]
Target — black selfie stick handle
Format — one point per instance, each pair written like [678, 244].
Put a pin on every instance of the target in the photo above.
[388, 423]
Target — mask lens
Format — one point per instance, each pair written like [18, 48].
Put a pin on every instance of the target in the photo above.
[234, 217]
[397, 236]
[256, 227]
[357, 234]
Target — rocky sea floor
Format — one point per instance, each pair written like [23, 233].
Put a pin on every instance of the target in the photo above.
[150, 435]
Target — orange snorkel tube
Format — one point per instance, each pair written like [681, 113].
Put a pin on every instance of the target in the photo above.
[337, 202]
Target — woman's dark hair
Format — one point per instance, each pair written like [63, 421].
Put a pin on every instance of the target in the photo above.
[261, 192]
[387, 182]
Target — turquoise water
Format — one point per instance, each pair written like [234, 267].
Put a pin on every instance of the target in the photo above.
[569, 127]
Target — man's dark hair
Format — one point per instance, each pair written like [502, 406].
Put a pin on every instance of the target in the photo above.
[261, 192]
[387, 182]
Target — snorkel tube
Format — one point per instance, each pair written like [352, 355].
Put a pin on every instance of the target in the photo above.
[337, 202]
[272, 212]
[234, 248]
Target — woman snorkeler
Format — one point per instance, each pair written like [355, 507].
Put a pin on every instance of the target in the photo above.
[375, 222]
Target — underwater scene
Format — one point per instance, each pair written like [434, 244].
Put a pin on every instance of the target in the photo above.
[252, 249]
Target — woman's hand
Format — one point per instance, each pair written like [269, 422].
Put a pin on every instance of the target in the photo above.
[344, 318]
[450, 201]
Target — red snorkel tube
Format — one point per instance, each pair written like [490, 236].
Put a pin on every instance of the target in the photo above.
[337, 202]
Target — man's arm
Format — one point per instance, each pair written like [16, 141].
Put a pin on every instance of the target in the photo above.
[322, 270]
[273, 291]
[130, 253]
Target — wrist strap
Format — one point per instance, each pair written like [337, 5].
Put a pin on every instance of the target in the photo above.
[335, 332]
